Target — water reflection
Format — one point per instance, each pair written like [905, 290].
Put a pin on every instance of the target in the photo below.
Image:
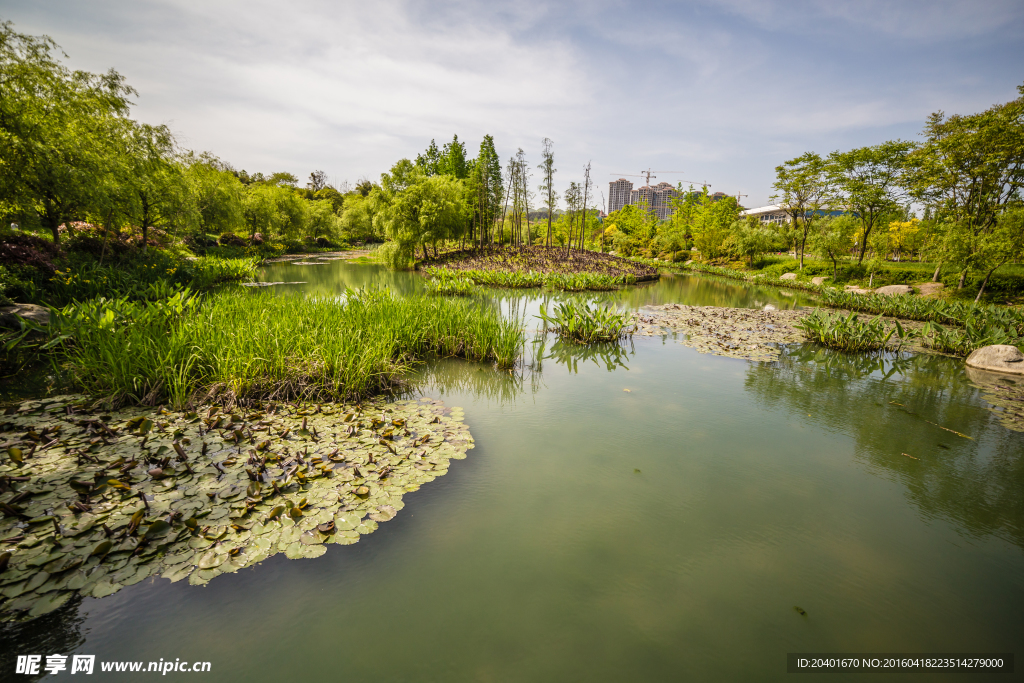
[916, 420]
[611, 355]
[1004, 393]
[447, 376]
[59, 632]
[333, 277]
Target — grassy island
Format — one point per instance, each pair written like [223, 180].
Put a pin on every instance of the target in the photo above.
[537, 266]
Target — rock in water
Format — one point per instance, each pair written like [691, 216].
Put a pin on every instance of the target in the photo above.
[788, 276]
[9, 315]
[890, 290]
[998, 358]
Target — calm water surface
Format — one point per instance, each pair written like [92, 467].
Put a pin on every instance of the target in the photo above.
[662, 533]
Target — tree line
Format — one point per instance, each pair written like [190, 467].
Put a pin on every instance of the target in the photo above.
[70, 152]
[965, 178]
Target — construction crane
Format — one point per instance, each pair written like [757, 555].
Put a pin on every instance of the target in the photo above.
[647, 175]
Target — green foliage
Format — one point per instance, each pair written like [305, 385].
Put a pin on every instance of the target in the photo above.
[750, 239]
[356, 224]
[60, 132]
[872, 182]
[848, 333]
[833, 238]
[451, 160]
[258, 345]
[803, 189]
[413, 209]
[450, 283]
[579, 323]
[152, 275]
[971, 169]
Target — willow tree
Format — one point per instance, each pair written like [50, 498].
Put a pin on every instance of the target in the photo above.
[58, 130]
[415, 210]
[155, 184]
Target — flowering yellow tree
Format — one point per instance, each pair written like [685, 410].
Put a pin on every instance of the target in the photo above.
[902, 236]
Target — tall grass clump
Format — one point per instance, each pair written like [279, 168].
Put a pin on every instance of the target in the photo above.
[446, 283]
[849, 333]
[255, 345]
[516, 279]
[581, 324]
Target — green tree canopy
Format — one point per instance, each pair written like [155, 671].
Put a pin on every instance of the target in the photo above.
[871, 181]
[803, 189]
[58, 130]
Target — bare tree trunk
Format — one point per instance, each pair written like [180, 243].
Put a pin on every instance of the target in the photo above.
[938, 267]
[501, 228]
[984, 282]
[963, 276]
[106, 235]
[583, 224]
[526, 208]
[864, 243]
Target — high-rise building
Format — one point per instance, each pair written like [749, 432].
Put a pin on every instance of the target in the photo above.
[658, 198]
[618, 194]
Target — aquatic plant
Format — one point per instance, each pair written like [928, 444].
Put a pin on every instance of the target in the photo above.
[447, 283]
[93, 503]
[581, 324]
[571, 282]
[157, 275]
[747, 333]
[849, 333]
[543, 260]
[255, 345]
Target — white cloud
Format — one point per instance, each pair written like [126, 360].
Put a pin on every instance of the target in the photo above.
[724, 90]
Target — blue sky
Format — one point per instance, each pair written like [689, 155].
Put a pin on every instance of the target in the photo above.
[723, 91]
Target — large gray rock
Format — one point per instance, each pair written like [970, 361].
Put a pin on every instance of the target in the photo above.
[998, 358]
[890, 290]
[9, 315]
[788, 276]
[818, 280]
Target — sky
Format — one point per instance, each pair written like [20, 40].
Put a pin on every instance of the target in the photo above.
[716, 92]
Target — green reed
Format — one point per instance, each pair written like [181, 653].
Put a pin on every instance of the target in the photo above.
[258, 345]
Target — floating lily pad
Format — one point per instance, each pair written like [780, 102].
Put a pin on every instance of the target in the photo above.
[122, 496]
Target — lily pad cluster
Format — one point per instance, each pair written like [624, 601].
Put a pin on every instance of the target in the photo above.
[93, 502]
[746, 333]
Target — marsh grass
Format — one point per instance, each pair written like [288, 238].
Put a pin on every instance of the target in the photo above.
[445, 283]
[567, 282]
[255, 345]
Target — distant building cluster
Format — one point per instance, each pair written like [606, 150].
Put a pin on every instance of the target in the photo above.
[658, 197]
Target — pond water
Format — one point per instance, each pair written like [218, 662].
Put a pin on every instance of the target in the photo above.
[635, 513]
